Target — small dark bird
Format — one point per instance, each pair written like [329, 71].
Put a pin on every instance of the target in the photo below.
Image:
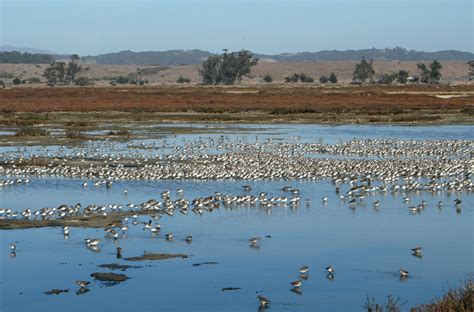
[119, 253]
[247, 188]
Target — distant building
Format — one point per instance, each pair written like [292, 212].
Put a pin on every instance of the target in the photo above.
[411, 79]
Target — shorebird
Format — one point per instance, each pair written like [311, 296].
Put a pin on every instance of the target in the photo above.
[403, 273]
[304, 269]
[119, 253]
[92, 242]
[84, 184]
[376, 204]
[254, 240]
[264, 302]
[169, 236]
[65, 230]
[417, 250]
[82, 284]
[12, 247]
[189, 239]
[458, 202]
[330, 269]
[325, 200]
[247, 188]
[296, 283]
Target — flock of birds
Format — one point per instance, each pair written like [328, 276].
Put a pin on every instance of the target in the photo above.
[382, 166]
[387, 160]
[358, 190]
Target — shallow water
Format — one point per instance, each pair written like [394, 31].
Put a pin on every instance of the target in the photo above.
[366, 247]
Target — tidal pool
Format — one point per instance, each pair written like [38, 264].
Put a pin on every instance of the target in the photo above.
[366, 246]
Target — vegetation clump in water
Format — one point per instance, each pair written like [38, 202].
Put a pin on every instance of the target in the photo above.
[110, 277]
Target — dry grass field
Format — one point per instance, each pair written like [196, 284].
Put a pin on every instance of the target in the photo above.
[454, 72]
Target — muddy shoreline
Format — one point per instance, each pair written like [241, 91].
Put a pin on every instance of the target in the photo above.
[94, 221]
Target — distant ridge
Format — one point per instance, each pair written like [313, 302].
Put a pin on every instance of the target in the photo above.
[192, 57]
[387, 54]
[178, 57]
[171, 57]
[7, 48]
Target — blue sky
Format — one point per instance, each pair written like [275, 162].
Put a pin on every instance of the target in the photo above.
[90, 27]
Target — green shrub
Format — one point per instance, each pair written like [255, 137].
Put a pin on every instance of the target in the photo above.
[306, 79]
[267, 78]
[183, 79]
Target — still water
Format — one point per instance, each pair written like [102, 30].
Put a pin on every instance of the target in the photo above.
[367, 247]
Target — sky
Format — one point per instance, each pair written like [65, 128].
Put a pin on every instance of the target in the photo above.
[91, 27]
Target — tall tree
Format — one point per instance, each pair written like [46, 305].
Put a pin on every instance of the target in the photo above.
[211, 70]
[227, 68]
[363, 71]
[73, 68]
[424, 72]
[431, 73]
[245, 61]
[55, 73]
[435, 73]
[471, 69]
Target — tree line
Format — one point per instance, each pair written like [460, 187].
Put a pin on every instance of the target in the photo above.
[15, 57]
[364, 72]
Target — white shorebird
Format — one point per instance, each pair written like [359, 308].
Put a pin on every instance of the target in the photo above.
[403, 273]
[92, 242]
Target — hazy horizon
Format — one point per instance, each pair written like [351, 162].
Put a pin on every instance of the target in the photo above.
[265, 27]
